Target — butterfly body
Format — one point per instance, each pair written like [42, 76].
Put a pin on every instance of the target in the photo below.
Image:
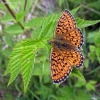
[62, 45]
[65, 53]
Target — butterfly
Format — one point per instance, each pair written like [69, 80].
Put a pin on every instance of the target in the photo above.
[66, 44]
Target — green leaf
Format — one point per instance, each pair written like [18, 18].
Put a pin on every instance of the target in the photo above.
[86, 63]
[46, 68]
[14, 63]
[92, 56]
[20, 16]
[98, 53]
[27, 62]
[75, 10]
[97, 38]
[42, 65]
[45, 29]
[6, 52]
[78, 74]
[13, 3]
[2, 6]
[22, 59]
[8, 70]
[91, 85]
[82, 95]
[7, 18]
[81, 23]
[92, 48]
[79, 83]
[8, 40]
[27, 58]
[14, 29]
[37, 69]
[15, 69]
[34, 22]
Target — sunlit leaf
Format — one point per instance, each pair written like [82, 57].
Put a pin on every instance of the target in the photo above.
[76, 72]
[81, 23]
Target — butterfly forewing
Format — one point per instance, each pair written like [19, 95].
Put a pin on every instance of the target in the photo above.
[66, 30]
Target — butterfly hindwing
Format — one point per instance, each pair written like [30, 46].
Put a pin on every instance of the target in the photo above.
[74, 57]
[60, 67]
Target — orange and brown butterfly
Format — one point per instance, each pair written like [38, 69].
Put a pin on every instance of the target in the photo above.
[65, 53]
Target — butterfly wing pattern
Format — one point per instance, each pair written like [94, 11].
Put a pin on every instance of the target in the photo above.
[65, 53]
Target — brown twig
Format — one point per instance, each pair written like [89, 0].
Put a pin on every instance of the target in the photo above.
[25, 7]
[12, 13]
[27, 33]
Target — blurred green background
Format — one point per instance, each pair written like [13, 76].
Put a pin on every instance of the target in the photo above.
[41, 86]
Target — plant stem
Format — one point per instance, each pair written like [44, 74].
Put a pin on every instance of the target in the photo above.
[27, 33]
[12, 13]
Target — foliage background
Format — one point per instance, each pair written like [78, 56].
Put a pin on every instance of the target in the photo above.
[39, 17]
